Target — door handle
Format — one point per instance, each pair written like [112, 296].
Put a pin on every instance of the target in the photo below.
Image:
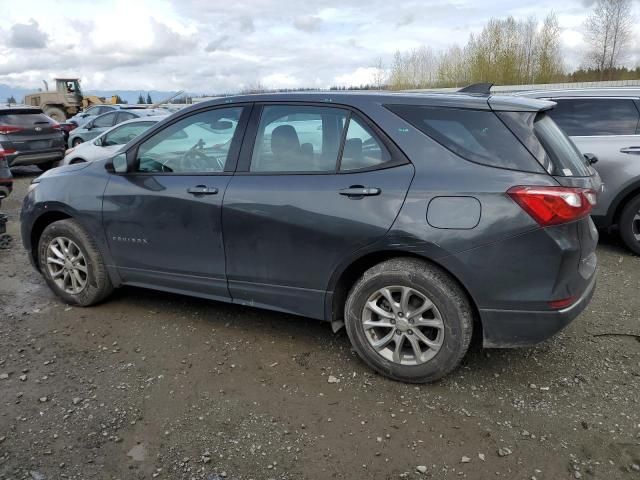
[358, 191]
[202, 190]
[634, 150]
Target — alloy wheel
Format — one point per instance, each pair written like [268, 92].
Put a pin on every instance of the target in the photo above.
[67, 265]
[403, 325]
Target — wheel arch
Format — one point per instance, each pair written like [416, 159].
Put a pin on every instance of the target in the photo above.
[615, 210]
[344, 279]
[44, 220]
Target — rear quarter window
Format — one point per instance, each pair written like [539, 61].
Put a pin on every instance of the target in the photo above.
[476, 135]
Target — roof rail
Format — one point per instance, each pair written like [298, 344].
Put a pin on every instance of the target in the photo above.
[482, 88]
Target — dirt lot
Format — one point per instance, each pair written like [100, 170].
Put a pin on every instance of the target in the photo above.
[153, 385]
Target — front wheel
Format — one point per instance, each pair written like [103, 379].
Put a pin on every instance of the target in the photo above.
[72, 265]
[630, 225]
[409, 320]
[45, 166]
[76, 141]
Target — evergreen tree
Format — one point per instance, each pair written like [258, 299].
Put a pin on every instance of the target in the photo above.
[149, 101]
[140, 99]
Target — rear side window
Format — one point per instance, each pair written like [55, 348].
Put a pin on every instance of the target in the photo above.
[362, 149]
[26, 119]
[476, 135]
[596, 116]
[105, 120]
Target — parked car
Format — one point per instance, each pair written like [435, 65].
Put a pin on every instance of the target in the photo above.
[605, 123]
[29, 137]
[103, 122]
[90, 113]
[110, 141]
[402, 217]
[6, 179]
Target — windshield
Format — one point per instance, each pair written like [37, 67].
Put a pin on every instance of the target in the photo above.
[565, 156]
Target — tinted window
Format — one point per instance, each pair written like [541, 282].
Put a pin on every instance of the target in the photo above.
[24, 119]
[298, 139]
[102, 110]
[596, 116]
[104, 120]
[198, 143]
[565, 157]
[122, 116]
[477, 135]
[125, 133]
[362, 149]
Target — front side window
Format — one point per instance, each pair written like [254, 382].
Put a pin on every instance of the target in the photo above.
[105, 120]
[199, 143]
[361, 148]
[298, 139]
[125, 133]
[596, 116]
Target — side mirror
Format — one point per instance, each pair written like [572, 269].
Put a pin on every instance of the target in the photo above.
[117, 164]
[88, 126]
[591, 158]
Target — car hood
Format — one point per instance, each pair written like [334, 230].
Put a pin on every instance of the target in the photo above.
[63, 170]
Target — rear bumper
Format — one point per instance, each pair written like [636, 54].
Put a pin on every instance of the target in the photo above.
[518, 328]
[33, 158]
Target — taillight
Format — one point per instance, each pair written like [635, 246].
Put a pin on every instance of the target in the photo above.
[4, 129]
[6, 151]
[56, 126]
[562, 303]
[554, 205]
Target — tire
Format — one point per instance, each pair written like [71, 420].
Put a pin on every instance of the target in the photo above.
[629, 225]
[76, 141]
[45, 166]
[97, 285]
[452, 313]
[56, 113]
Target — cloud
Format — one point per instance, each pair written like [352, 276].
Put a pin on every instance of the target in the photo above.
[245, 24]
[220, 43]
[307, 23]
[27, 35]
[406, 19]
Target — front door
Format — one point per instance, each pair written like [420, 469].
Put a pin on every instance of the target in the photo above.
[163, 219]
[316, 185]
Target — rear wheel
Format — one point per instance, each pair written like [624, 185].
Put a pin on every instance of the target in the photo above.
[45, 166]
[630, 225]
[72, 265]
[409, 320]
[56, 113]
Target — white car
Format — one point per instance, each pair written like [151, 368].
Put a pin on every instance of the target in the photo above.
[107, 143]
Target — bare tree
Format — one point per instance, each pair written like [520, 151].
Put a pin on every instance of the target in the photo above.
[608, 32]
[379, 76]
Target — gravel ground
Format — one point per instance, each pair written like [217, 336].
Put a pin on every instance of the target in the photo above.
[154, 385]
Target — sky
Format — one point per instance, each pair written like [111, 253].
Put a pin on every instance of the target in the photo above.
[214, 46]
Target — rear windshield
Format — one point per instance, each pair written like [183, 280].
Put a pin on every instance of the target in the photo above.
[26, 119]
[477, 135]
[565, 157]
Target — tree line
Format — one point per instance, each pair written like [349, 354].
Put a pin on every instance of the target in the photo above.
[516, 52]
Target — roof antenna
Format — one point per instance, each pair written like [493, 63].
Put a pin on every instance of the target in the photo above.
[482, 88]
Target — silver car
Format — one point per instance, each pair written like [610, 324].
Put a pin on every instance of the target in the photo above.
[110, 141]
[605, 122]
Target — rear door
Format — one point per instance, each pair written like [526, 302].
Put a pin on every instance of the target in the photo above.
[608, 128]
[314, 185]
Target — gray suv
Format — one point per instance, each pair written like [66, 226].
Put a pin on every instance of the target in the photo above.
[606, 123]
[413, 220]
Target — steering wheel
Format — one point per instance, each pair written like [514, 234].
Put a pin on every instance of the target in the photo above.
[195, 159]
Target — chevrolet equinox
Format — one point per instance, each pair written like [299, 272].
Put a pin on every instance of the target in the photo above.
[412, 219]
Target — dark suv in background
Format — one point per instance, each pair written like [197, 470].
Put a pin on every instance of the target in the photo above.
[29, 137]
[412, 219]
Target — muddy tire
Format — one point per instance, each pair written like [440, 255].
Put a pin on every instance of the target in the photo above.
[72, 265]
[630, 225]
[409, 320]
[56, 113]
